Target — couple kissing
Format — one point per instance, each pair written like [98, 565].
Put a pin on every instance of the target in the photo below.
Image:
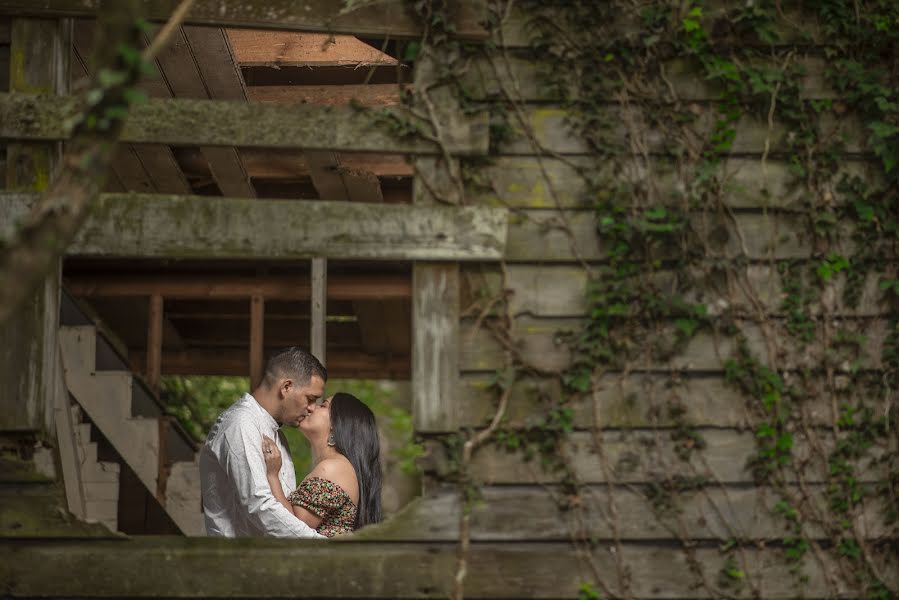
[249, 487]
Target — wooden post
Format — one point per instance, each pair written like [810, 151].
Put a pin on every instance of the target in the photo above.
[319, 308]
[154, 342]
[435, 346]
[435, 313]
[257, 332]
[67, 446]
[39, 59]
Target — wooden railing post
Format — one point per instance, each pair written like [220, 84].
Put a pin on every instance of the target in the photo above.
[154, 342]
[319, 308]
[257, 334]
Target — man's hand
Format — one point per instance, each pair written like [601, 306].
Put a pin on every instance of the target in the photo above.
[272, 456]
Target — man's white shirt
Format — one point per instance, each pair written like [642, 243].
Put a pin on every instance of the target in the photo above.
[237, 499]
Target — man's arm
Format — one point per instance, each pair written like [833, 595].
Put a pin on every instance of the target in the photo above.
[241, 456]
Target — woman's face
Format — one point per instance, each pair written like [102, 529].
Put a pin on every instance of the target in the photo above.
[319, 418]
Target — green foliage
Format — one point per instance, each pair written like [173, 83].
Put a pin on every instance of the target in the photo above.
[586, 591]
[197, 401]
[730, 575]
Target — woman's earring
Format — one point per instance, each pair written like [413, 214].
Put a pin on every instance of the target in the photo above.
[331, 441]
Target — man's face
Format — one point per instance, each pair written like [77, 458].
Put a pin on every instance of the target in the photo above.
[298, 398]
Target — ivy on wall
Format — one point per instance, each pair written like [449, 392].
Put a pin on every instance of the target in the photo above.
[663, 94]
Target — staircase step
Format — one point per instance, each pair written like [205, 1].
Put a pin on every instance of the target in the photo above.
[104, 396]
[96, 490]
[100, 472]
[79, 347]
[83, 433]
[107, 399]
[87, 453]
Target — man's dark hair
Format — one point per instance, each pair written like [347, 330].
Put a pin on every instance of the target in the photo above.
[293, 363]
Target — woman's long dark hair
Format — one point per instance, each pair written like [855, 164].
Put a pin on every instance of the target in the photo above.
[356, 437]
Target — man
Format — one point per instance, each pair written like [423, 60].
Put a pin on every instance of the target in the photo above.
[237, 499]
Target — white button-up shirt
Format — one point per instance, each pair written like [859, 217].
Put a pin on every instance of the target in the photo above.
[237, 499]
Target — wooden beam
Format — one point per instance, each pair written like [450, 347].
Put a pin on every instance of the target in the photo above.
[159, 163]
[141, 168]
[154, 341]
[227, 172]
[377, 94]
[235, 361]
[28, 339]
[319, 301]
[130, 171]
[196, 227]
[362, 186]
[67, 445]
[225, 287]
[216, 568]
[290, 48]
[278, 164]
[325, 172]
[333, 181]
[187, 122]
[214, 57]
[257, 331]
[41, 58]
[384, 18]
[192, 55]
[291, 164]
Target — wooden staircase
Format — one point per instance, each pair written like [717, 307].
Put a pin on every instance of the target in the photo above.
[99, 479]
[128, 415]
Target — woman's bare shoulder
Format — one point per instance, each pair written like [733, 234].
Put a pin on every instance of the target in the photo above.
[338, 470]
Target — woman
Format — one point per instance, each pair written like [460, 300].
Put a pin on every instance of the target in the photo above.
[343, 490]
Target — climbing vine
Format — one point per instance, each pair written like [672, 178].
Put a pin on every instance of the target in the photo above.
[781, 287]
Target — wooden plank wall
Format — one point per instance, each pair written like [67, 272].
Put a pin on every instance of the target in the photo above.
[552, 249]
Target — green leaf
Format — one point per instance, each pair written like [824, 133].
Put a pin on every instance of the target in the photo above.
[94, 97]
[686, 326]
[109, 78]
[883, 130]
[412, 51]
[691, 25]
[135, 96]
[785, 442]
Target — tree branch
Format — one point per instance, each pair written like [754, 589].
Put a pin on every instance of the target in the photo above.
[44, 235]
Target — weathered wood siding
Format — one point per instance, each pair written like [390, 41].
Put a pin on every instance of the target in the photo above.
[627, 447]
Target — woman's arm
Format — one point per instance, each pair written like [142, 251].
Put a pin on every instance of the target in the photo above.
[272, 468]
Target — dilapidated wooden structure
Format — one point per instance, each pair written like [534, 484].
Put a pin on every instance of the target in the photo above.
[274, 190]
